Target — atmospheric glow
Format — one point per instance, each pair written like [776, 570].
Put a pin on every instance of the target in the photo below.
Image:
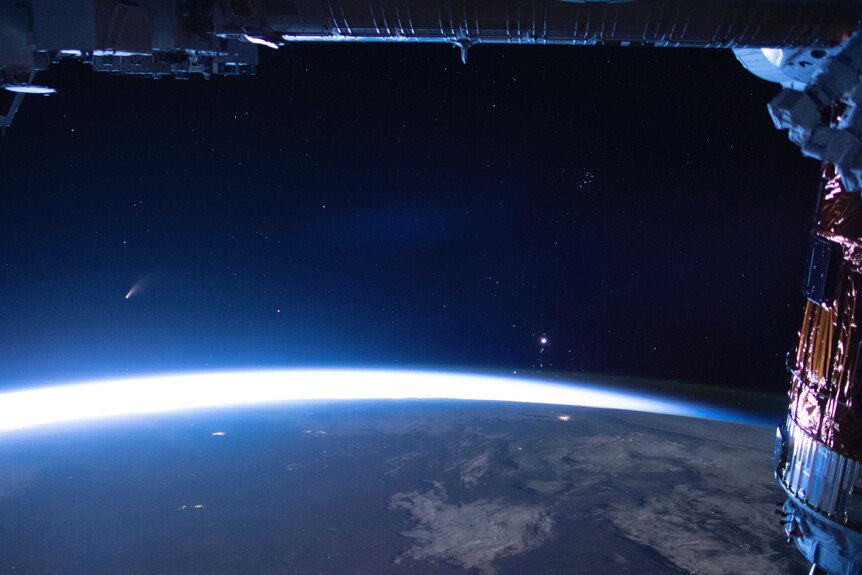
[175, 393]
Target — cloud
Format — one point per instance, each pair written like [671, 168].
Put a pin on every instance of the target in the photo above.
[473, 469]
[718, 520]
[469, 535]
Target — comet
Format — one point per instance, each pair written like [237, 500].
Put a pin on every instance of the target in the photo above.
[137, 286]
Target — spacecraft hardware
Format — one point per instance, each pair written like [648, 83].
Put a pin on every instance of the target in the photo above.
[812, 48]
[818, 452]
[221, 37]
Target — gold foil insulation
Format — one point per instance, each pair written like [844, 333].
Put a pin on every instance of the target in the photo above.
[839, 217]
[826, 390]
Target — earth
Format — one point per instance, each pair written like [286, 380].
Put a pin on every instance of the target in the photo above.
[393, 487]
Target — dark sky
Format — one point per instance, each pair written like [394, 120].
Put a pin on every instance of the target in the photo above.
[385, 205]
